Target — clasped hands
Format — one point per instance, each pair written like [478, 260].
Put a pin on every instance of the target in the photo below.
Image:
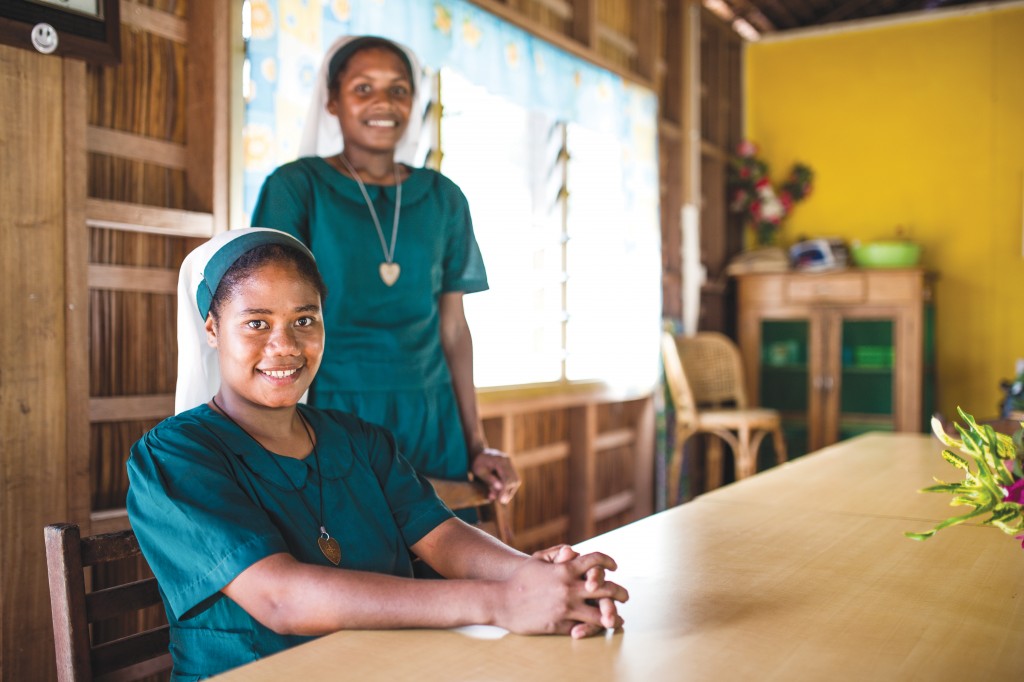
[560, 591]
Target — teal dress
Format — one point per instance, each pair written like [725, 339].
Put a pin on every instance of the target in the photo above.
[383, 359]
[206, 502]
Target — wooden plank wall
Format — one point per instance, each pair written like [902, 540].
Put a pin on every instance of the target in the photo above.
[586, 461]
[32, 405]
[157, 184]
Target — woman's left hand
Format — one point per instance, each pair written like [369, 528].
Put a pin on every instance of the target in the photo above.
[495, 469]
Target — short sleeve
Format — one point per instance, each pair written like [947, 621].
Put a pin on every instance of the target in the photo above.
[195, 524]
[414, 504]
[284, 203]
[463, 264]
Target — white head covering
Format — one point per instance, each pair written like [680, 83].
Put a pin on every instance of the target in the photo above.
[321, 134]
[198, 365]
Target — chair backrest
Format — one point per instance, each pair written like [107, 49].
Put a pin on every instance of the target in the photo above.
[678, 385]
[74, 609]
[496, 518]
[715, 369]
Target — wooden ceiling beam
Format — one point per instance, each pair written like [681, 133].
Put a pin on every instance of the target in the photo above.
[749, 12]
[804, 11]
[778, 9]
[845, 10]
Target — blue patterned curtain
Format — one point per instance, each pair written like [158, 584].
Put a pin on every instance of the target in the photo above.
[289, 38]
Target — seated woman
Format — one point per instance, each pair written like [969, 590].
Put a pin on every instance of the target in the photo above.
[267, 521]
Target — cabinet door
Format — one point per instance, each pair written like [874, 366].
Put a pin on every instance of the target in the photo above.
[789, 357]
[861, 389]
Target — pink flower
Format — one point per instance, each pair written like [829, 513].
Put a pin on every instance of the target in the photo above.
[787, 201]
[1021, 538]
[746, 148]
[1015, 493]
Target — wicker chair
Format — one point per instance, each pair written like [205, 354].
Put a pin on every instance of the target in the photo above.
[705, 378]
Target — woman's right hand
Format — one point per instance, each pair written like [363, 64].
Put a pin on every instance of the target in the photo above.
[557, 591]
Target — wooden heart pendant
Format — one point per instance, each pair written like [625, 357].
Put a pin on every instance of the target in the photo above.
[331, 549]
[389, 273]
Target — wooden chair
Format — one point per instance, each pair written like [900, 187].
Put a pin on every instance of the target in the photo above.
[705, 378]
[74, 610]
[496, 517]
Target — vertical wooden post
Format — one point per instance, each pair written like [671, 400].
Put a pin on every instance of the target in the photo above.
[643, 463]
[645, 36]
[76, 293]
[582, 471]
[584, 22]
[33, 446]
[690, 107]
[209, 112]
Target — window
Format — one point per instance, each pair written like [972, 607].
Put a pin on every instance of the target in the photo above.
[570, 277]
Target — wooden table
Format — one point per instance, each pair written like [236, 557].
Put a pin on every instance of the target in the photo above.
[801, 573]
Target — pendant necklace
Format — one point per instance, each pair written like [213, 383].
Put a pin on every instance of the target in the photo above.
[389, 269]
[328, 545]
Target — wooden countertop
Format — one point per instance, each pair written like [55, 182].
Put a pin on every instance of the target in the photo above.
[800, 573]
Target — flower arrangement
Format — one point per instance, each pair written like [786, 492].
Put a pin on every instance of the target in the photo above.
[994, 487]
[752, 193]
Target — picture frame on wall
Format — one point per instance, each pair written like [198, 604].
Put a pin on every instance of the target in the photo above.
[79, 29]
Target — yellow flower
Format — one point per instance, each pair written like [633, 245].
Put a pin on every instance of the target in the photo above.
[268, 67]
[257, 142]
[512, 54]
[262, 19]
[301, 20]
[341, 9]
[470, 33]
[442, 19]
[538, 64]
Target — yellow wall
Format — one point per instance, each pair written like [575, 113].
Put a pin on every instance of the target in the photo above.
[917, 124]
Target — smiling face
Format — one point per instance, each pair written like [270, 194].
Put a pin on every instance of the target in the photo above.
[372, 100]
[269, 336]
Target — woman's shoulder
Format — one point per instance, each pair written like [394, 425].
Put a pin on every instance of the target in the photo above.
[304, 169]
[437, 183]
[184, 435]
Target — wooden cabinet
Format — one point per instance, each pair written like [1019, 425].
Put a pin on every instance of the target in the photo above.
[838, 353]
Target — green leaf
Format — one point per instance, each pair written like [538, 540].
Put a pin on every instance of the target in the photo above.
[956, 460]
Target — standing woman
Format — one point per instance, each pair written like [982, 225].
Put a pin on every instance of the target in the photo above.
[396, 243]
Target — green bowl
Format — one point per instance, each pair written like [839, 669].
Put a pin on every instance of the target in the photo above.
[886, 254]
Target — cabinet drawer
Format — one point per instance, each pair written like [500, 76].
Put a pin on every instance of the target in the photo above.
[840, 288]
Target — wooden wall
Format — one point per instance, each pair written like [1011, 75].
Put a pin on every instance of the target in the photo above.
[112, 173]
[32, 351]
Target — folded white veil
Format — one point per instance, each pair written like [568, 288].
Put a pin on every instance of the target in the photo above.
[321, 134]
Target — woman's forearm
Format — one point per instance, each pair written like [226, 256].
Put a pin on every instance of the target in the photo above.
[457, 343]
[456, 549]
[290, 597]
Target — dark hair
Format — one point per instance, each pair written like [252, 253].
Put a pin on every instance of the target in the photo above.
[341, 59]
[250, 261]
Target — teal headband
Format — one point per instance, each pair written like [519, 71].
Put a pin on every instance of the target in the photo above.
[222, 261]
[346, 51]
